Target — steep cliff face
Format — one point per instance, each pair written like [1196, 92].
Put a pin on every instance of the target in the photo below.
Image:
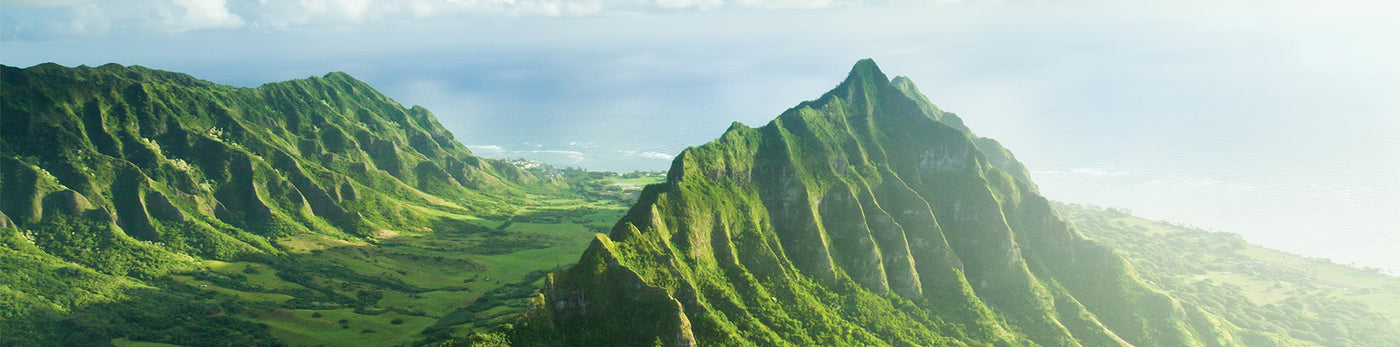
[866, 217]
[192, 167]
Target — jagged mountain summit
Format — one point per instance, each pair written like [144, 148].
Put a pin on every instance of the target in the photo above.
[865, 217]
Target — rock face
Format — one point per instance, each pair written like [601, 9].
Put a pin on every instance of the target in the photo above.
[865, 217]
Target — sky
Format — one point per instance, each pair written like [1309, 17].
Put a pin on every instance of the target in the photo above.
[1278, 120]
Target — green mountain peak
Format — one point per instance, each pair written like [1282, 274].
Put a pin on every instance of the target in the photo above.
[866, 71]
[146, 205]
[865, 217]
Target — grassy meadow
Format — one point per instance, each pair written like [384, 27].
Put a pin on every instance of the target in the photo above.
[461, 275]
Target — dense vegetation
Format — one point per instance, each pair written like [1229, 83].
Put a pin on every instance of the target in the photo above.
[1312, 301]
[148, 205]
[865, 217]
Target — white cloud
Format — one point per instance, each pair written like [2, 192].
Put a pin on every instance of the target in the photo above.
[201, 14]
[42, 20]
[657, 155]
[551, 151]
[1086, 173]
[647, 154]
[685, 4]
[549, 155]
[25, 20]
[486, 148]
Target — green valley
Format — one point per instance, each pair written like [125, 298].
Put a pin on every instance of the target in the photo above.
[141, 207]
[145, 205]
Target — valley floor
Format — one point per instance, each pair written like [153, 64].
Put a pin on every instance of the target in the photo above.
[409, 285]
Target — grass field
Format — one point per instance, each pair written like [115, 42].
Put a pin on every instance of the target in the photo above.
[1179, 257]
[462, 275]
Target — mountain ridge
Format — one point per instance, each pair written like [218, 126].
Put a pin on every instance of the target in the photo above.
[867, 194]
[148, 205]
[124, 176]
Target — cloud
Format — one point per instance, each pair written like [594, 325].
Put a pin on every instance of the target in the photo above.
[43, 3]
[201, 14]
[550, 151]
[572, 157]
[486, 148]
[656, 155]
[647, 154]
[1085, 173]
[28, 21]
[549, 155]
[38, 20]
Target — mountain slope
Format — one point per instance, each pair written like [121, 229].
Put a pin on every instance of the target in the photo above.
[115, 177]
[867, 216]
[1309, 299]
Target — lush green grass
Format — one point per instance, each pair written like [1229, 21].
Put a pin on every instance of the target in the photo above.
[1310, 300]
[141, 196]
[441, 271]
[638, 181]
[257, 275]
[420, 277]
[299, 327]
